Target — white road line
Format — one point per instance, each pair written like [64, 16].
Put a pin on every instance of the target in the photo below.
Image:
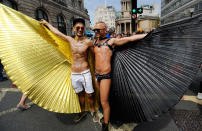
[8, 111]
[192, 98]
[12, 110]
[9, 90]
[2, 94]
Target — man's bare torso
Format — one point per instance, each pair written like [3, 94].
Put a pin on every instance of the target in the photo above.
[79, 55]
[103, 56]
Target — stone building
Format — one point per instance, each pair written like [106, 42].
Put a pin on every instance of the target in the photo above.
[149, 19]
[106, 14]
[59, 13]
[176, 10]
[146, 21]
[123, 23]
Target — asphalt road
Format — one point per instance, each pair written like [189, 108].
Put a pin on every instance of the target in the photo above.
[186, 115]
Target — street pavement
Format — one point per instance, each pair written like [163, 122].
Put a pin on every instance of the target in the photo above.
[185, 116]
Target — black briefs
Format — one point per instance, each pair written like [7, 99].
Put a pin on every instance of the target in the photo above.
[101, 77]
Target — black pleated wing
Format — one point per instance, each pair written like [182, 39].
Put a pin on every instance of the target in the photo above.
[150, 76]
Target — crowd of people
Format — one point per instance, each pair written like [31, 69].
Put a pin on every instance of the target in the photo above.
[121, 35]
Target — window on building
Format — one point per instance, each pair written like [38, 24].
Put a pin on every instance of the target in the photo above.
[80, 4]
[9, 3]
[62, 2]
[73, 3]
[61, 24]
[167, 1]
[200, 6]
[196, 8]
[40, 14]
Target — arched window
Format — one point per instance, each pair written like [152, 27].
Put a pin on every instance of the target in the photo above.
[73, 3]
[80, 4]
[40, 14]
[61, 24]
[9, 3]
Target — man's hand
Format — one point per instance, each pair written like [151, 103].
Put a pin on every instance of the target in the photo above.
[56, 31]
[44, 22]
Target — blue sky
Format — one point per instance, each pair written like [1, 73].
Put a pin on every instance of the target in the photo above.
[91, 5]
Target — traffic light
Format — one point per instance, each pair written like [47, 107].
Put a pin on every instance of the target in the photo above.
[137, 11]
[134, 11]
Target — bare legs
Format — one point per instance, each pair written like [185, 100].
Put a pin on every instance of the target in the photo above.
[104, 86]
[22, 105]
[22, 100]
[82, 105]
[82, 100]
[90, 100]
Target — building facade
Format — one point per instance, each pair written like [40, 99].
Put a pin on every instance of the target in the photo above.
[106, 14]
[149, 19]
[123, 23]
[175, 10]
[59, 13]
[146, 21]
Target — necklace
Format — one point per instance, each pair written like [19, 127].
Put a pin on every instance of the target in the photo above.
[79, 38]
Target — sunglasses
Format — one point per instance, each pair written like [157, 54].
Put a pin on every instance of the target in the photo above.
[79, 28]
[98, 30]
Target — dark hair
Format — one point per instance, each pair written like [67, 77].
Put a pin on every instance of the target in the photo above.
[77, 20]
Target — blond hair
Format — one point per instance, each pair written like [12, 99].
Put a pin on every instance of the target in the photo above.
[101, 22]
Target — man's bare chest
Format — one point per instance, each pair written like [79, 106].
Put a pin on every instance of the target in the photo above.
[80, 47]
[102, 50]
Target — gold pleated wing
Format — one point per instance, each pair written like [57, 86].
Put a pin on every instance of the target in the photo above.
[37, 61]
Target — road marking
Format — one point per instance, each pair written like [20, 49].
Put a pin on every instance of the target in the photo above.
[9, 90]
[124, 127]
[2, 94]
[12, 110]
[192, 98]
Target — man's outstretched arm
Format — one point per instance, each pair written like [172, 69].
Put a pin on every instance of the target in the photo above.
[122, 41]
[56, 31]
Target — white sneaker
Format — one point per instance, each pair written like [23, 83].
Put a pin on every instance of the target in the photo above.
[199, 96]
[95, 116]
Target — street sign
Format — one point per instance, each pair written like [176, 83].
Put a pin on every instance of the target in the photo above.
[139, 10]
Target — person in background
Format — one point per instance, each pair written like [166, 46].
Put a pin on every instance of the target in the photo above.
[128, 34]
[199, 95]
[21, 105]
[134, 33]
[119, 36]
[2, 78]
[113, 35]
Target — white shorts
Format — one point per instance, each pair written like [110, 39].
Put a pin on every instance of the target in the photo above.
[82, 80]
